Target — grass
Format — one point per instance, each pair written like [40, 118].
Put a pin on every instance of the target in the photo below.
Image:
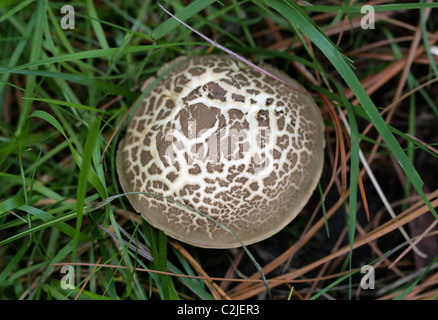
[66, 95]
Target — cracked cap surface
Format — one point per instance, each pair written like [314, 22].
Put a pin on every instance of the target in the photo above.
[227, 140]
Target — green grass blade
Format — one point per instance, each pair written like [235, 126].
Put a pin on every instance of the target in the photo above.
[324, 211]
[413, 284]
[12, 264]
[95, 53]
[11, 203]
[97, 27]
[67, 104]
[90, 144]
[39, 227]
[15, 9]
[169, 291]
[37, 186]
[433, 64]
[46, 217]
[121, 49]
[104, 86]
[35, 53]
[354, 174]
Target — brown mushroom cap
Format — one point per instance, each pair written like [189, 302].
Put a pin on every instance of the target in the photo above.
[227, 140]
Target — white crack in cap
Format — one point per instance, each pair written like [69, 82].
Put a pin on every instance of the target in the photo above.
[218, 136]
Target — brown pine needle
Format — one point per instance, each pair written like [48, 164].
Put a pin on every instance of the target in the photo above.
[88, 279]
[418, 239]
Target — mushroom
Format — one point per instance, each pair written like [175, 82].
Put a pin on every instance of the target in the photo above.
[216, 143]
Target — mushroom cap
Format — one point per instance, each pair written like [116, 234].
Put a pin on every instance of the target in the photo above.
[219, 137]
